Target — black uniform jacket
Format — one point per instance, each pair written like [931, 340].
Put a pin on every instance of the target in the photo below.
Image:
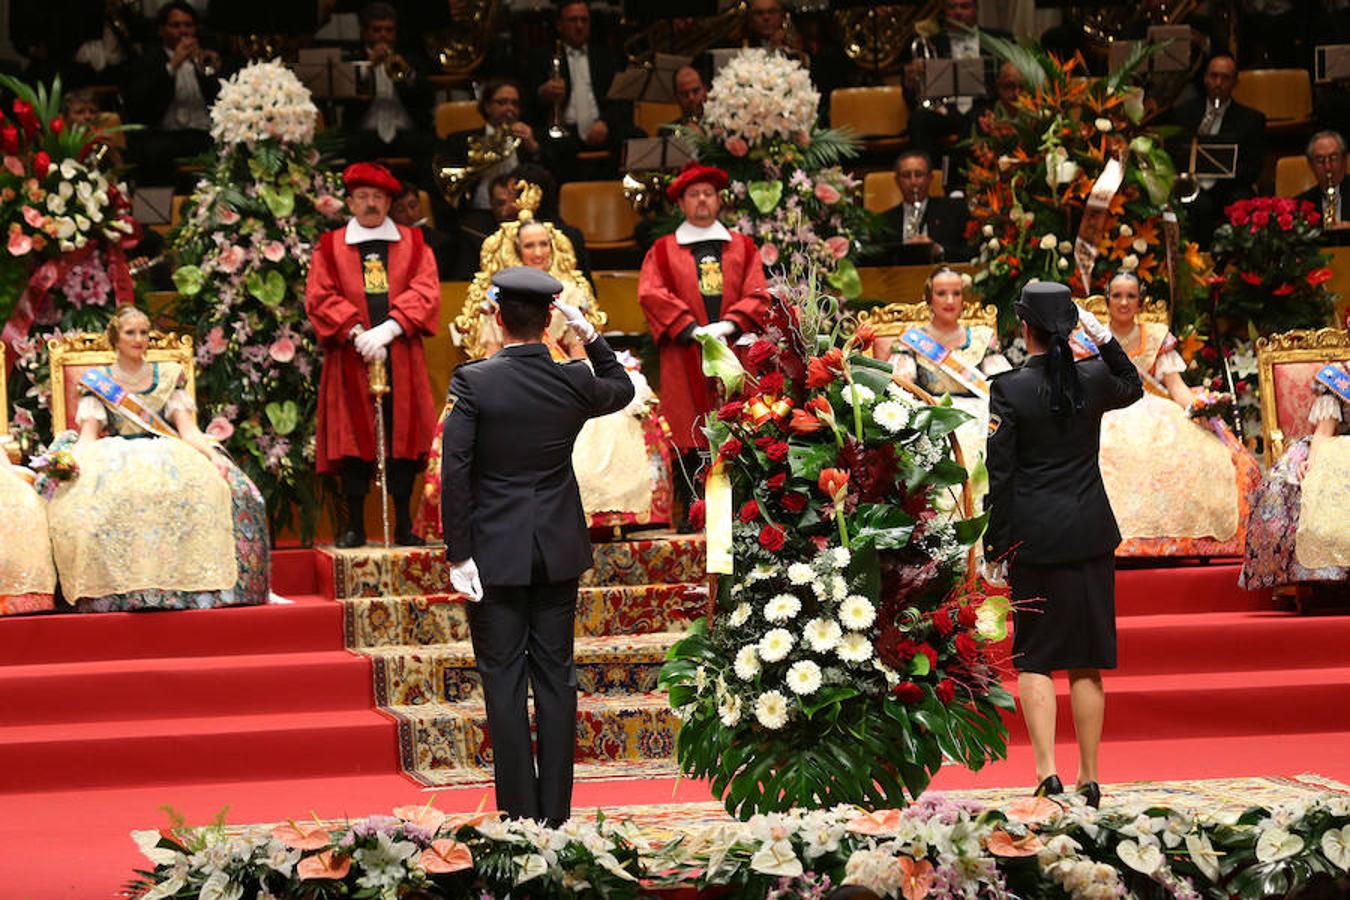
[508, 490]
[1046, 501]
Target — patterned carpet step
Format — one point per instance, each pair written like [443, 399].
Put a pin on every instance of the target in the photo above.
[371, 622]
[622, 770]
[438, 737]
[444, 673]
[650, 558]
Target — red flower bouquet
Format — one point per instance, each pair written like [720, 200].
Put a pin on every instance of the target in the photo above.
[1277, 272]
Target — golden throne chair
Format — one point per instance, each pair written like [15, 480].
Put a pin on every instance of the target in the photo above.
[8, 445]
[1151, 312]
[889, 322]
[74, 354]
[1286, 364]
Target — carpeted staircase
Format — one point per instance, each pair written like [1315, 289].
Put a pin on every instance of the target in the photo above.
[632, 606]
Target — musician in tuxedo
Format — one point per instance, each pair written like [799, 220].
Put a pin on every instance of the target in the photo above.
[1051, 518]
[1219, 119]
[515, 531]
[501, 108]
[924, 229]
[1326, 159]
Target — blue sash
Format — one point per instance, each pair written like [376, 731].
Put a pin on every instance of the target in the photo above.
[935, 356]
[125, 404]
[1334, 376]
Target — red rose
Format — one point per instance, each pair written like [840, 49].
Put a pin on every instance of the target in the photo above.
[908, 692]
[777, 451]
[1306, 208]
[1314, 218]
[760, 353]
[1240, 218]
[833, 483]
[731, 448]
[776, 481]
[771, 538]
[1283, 290]
[966, 648]
[1285, 221]
[42, 164]
[803, 422]
[1261, 218]
[1319, 276]
[750, 511]
[698, 510]
[764, 440]
[942, 621]
[946, 690]
[794, 502]
[27, 121]
[967, 615]
[1286, 205]
[1250, 277]
[771, 383]
[731, 412]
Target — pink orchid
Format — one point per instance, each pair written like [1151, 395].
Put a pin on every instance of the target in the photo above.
[826, 193]
[737, 146]
[19, 243]
[274, 251]
[231, 259]
[838, 246]
[768, 254]
[282, 350]
[15, 166]
[220, 428]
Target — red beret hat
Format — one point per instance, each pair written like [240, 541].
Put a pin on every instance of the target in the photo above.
[371, 175]
[692, 174]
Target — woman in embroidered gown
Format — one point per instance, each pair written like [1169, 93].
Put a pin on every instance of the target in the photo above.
[1297, 532]
[27, 574]
[154, 522]
[1178, 486]
[974, 345]
[621, 460]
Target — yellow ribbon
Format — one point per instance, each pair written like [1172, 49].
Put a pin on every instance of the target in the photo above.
[717, 499]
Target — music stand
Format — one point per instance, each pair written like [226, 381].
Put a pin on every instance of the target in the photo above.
[1214, 159]
[327, 76]
[1331, 62]
[655, 154]
[955, 78]
[653, 82]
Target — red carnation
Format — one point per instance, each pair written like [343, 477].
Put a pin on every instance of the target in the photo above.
[731, 411]
[966, 648]
[776, 481]
[803, 422]
[777, 451]
[771, 538]
[794, 502]
[1250, 277]
[946, 690]
[771, 383]
[942, 621]
[1319, 276]
[750, 511]
[908, 692]
[698, 510]
[968, 615]
[42, 164]
[731, 448]
[760, 353]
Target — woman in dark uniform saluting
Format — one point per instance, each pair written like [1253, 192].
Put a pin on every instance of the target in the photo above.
[1050, 517]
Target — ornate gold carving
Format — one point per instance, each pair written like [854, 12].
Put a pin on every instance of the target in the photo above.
[7, 443]
[93, 349]
[1322, 345]
[893, 319]
[1151, 312]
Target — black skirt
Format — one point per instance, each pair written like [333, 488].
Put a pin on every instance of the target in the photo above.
[1064, 615]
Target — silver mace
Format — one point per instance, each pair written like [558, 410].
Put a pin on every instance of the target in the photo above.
[378, 376]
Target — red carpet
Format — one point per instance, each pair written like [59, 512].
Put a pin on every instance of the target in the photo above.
[106, 717]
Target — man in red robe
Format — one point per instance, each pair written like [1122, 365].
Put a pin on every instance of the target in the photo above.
[703, 279]
[373, 294]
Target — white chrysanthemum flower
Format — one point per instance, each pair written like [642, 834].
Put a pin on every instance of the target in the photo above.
[840, 557]
[857, 613]
[861, 392]
[838, 588]
[776, 644]
[771, 710]
[803, 677]
[761, 572]
[854, 647]
[782, 607]
[729, 710]
[747, 663]
[800, 573]
[739, 615]
[822, 634]
[890, 415]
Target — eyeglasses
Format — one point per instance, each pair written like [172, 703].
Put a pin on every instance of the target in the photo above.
[1327, 159]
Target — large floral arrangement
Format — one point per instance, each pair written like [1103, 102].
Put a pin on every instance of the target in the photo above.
[787, 188]
[66, 225]
[245, 242]
[1277, 274]
[1033, 169]
[938, 847]
[847, 655]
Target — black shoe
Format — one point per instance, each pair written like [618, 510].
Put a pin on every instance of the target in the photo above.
[1050, 787]
[408, 539]
[349, 539]
[1091, 793]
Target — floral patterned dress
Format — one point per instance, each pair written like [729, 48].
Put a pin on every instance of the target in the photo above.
[27, 574]
[1296, 535]
[1178, 486]
[150, 524]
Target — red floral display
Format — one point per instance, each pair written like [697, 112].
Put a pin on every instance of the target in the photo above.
[1278, 271]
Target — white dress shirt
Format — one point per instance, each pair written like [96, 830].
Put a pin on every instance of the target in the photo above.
[187, 109]
[386, 115]
[582, 109]
[357, 233]
[1214, 126]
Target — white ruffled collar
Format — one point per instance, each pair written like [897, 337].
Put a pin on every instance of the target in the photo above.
[688, 233]
[359, 234]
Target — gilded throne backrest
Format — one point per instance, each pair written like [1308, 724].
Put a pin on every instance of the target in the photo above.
[1151, 312]
[8, 445]
[1286, 364]
[894, 319]
[74, 354]
[500, 252]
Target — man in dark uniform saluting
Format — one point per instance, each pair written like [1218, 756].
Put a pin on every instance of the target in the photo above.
[515, 531]
[1049, 512]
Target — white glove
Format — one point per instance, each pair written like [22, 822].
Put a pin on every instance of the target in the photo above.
[464, 578]
[1094, 329]
[719, 330]
[576, 321]
[371, 342]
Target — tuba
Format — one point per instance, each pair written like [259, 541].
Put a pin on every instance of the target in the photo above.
[874, 37]
[454, 181]
[460, 48]
[689, 36]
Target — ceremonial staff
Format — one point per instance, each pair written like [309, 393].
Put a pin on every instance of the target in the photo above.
[378, 376]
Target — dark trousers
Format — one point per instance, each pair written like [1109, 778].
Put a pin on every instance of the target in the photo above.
[525, 631]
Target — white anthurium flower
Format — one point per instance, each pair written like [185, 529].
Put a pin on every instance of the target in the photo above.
[65, 190]
[168, 888]
[56, 204]
[220, 887]
[529, 867]
[777, 858]
[1336, 847]
[1145, 858]
[782, 607]
[857, 613]
[70, 168]
[854, 648]
[1276, 844]
[147, 841]
[1203, 854]
[611, 865]
[771, 710]
[747, 665]
[822, 634]
[800, 573]
[803, 677]
[776, 644]
[993, 245]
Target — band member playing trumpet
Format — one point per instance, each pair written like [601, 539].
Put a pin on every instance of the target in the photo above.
[396, 120]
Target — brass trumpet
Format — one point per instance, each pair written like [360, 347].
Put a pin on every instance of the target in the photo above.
[556, 128]
[397, 68]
